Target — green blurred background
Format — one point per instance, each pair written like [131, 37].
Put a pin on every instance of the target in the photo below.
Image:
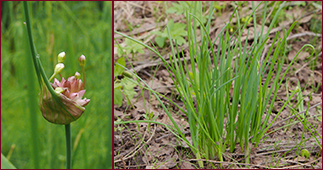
[76, 28]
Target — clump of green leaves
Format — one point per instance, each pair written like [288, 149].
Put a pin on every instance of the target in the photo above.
[282, 15]
[220, 6]
[130, 48]
[216, 111]
[231, 97]
[178, 8]
[177, 31]
[123, 88]
[316, 25]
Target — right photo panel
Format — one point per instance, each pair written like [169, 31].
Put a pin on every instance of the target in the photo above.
[212, 85]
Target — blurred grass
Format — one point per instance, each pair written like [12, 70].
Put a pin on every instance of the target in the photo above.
[76, 28]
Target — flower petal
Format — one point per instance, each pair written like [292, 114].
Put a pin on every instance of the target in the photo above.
[63, 82]
[81, 93]
[57, 82]
[83, 102]
[80, 85]
[73, 96]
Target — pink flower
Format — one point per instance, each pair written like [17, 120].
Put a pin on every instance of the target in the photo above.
[68, 106]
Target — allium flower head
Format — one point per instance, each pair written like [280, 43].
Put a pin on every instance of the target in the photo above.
[61, 102]
[68, 106]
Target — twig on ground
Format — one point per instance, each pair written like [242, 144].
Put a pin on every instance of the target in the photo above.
[154, 63]
[136, 90]
[123, 162]
[121, 147]
[221, 162]
[309, 164]
[129, 152]
[147, 28]
[139, 6]
[291, 117]
[320, 54]
[139, 146]
[276, 124]
[135, 166]
[164, 136]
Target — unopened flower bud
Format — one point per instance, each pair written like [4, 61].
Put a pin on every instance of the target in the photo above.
[58, 68]
[59, 90]
[77, 75]
[82, 60]
[61, 57]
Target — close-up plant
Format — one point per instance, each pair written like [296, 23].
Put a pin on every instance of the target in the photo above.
[65, 93]
[229, 85]
[177, 30]
[122, 88]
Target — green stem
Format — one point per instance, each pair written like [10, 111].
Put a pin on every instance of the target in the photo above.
[68, 146]
[51, 78]
[37, 64]
[30, 38]
[83, 76]
[32, 96]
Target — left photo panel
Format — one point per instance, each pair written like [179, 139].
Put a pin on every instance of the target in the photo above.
[56, 85]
